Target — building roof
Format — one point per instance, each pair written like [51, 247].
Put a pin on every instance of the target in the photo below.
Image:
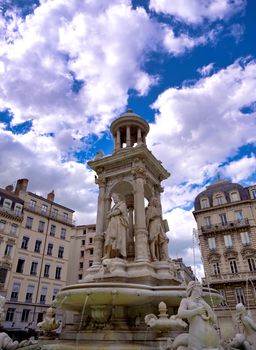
[221, 186]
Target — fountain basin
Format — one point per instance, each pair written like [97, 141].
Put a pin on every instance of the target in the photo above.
[74, 297]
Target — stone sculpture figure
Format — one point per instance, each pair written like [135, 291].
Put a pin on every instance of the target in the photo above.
[157, 237]
[115, 235]
[202, 322]
[247, 339]
[49, 324]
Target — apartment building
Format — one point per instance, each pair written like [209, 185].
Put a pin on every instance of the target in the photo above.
[82, 252]
[39, 258]
[226, 219]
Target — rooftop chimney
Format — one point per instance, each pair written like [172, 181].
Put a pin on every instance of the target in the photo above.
[50, 196]
[21, 185]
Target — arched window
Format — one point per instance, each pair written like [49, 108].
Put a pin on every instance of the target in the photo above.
[204, 203]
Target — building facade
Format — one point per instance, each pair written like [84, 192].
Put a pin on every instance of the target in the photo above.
[39, 257]
[226, 218]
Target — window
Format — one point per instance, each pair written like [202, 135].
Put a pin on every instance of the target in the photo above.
[44, 208]
[90, 240]
[204, 203]
[228, 241]
[54, 213]
[223, 219]
[239, 215]
[52, 230]
[83, 241]
[81, 265]
[32, 204]
[29, 222]
[3, 275]
[20, 265]
[253, 193]
[207, 221]
[239, 294]
[58, 273]
[49, 249]
[33, 269]
[65, 217]
[47, 270]
[81, 253]
[13, 229]
[219, 200]
[61, 252]
[222, 293]
[7, 204]
[233, 265]
[252, 264]
[90, 263]
[24, 243]
[18, 209]
[55, 292]
[15, 291]
[234, 196]
[8, 250]
[29, 294]
[37, 246]
[43, 295]
[10, 315]
[25, 315]
[91, 251]
[80, 276]
[216, 268]
[212, 243]
[41, 226]
[245, 238]
[63, 233]
[2, 224]
[84, 232]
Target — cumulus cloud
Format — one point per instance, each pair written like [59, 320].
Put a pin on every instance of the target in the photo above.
[200, 118]
[206, 70]
[240, 169]
[196, 11]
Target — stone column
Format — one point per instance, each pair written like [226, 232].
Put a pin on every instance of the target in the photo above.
[107, 209]
[128, 136]
[99, 239]
[141, 234]
[130, 238]
[118, 140]
[139, 139]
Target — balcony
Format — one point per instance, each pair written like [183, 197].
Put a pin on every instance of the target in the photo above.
[231, 277]
[49, 214]
[229, 225]
[11, 214]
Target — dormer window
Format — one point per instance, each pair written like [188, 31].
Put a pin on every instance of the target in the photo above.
[234, 196]
[18, 209]
[218, 199]
[253, 193]
[204, 203]
[7, 204]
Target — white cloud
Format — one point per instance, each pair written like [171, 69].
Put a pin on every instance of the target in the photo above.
[200, 119]
[206, 70]
[102, 44]
[240, 169]
[195, 11]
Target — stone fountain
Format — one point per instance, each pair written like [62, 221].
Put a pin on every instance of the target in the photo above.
[132, 272]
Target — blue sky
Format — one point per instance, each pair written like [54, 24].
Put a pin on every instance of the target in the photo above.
[68, 68]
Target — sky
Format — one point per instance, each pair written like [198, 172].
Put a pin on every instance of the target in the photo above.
[68, 68]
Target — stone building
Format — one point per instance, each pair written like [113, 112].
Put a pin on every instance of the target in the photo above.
[36, 255]
[226, 218]
[81, 250]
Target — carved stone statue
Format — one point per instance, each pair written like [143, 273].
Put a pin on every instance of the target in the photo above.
[115, 235]
[49, 324]
[157, 237]
[202, 333]
[247, 339]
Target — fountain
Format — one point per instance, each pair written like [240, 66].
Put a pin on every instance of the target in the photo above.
[131, 272]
